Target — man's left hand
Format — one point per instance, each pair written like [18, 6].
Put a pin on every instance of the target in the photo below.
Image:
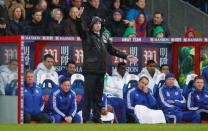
[132, 58]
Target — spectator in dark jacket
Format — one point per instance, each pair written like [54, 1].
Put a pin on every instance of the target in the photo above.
[116, 26]
[17, 24]
[56, 26]
[53, 4]
[43, 6]
[3, 11]
[158, 20]
[3, 27]
[33, 101]
[36, 25]
[94, 8]
[70, 23]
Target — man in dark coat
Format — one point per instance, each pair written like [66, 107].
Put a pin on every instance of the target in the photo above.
[95, 47]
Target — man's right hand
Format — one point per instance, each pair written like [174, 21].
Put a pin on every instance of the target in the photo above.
[80, 12]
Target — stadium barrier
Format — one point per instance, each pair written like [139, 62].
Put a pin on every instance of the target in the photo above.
[183, 55]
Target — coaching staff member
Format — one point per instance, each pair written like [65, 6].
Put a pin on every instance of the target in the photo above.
[95, 47]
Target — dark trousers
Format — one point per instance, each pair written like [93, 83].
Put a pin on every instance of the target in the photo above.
[40, 117]
[93, 91]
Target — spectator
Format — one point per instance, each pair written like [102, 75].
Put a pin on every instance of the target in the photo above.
[33, 106]
[158, 20]
[66, 5]
[29, 7]
[130, 32]
[70, 23]
[53, 4]
[152, 73]
[3, 10]
[68, 71]
[116, 4]
[8, 73]
[36, 25]
[134, 12]
[43, 6]
[197, 99]
[93, 8]
[116, 82]
[158, 32]
[46, 70]
[116, 26]
[10, 3]
[141, 25]
[17, 24]
[129, 3]
[56, 26]
[189, 33]
[63, 103]
[173, 102]
[3, 27]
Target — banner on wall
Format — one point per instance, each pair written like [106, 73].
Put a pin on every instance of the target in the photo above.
[64, 51]
[8, 52]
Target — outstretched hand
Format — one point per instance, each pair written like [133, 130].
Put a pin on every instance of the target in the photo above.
[132, 58]
[80, 12]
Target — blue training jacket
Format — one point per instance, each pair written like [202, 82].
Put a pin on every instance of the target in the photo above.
[63, 103]
[171, 99]
[198, 100]
[33, 99]
[135, 96]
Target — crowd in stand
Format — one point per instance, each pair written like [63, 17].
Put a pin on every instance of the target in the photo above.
[123, 18]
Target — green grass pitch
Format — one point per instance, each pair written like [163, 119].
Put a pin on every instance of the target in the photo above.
[103, 127]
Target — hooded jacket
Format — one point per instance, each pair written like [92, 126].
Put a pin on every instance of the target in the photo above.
[95, 48]
[42, 73]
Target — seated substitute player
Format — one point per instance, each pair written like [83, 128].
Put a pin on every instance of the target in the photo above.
[46, 70]
[33, 101]
[141, 98]
[62, 104]
[173, 102]
[198, 99]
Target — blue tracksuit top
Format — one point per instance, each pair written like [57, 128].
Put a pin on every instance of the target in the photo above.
[198, 100]
[135, 96]
[33, 99]
[173, 94]
[63, 103]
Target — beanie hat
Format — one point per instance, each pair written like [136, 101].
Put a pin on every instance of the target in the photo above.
[157, 30]
[119, 11]
[94, 20]
[129, 31]
[169, 75]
